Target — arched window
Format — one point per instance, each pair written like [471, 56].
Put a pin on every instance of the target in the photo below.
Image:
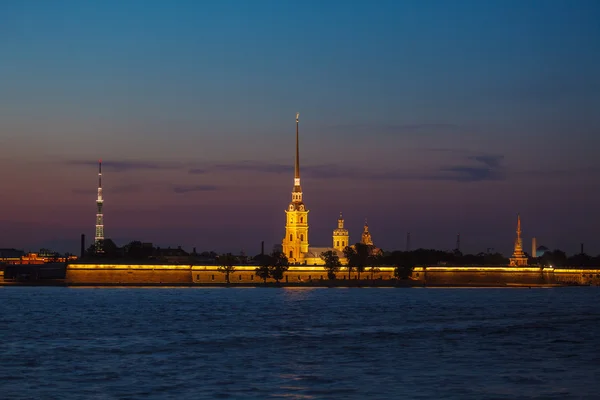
[302, 237]
[291, 254]
[291, 237]
[343, 244]
[301, 219]
[337, 243]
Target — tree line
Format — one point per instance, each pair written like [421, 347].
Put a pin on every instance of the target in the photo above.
[360, 257]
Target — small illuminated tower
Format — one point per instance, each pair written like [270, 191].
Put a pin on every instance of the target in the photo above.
[99, 237]
[366, 235]
[295, 242]
[518, 258]
[341, 239]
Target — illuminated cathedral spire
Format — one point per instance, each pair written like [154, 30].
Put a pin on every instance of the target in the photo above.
[518, 258]
[295, 242]
[297, 192]
[99, 237]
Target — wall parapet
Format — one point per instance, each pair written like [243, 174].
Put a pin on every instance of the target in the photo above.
[113, 273]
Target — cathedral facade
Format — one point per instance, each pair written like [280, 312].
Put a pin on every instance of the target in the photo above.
[295, 242]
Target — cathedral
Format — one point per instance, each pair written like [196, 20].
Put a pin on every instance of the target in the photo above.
[295, 242]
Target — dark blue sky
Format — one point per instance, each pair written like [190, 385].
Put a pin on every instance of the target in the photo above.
[427, 116]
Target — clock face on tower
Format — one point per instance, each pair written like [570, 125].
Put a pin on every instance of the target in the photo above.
[301, 207]
[291, 207]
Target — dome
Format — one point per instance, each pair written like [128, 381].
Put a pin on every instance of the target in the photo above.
[541, 251]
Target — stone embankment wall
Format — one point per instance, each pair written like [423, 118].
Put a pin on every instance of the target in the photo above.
[576, 276]
[247, 274]
[479, 276]
[115, 274]
[127, 274]
[190, 274]
[504, 276]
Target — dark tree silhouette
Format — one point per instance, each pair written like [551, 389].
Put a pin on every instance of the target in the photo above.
[350, 255]
[278, 266]
[402, 271]
[226, 265]
[332, 263]
[264, 271]
[358, 256]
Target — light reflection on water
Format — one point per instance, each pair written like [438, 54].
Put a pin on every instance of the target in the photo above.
[298, 343]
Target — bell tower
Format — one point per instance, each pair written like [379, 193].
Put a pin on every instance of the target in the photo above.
[341, 239]
[295, 242]
[366, 235]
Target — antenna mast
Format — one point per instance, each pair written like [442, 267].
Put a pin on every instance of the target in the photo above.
[99, 237]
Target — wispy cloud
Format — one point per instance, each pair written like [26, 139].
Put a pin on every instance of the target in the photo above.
[181, 189]
[478, 168]
[492, 161]
[464, 173]
[256, 166]
[314, 171]
[471, 167]
[474, 168]
[125, 165]
[119, 189]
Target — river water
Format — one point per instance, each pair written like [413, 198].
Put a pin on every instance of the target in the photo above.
[261, 343]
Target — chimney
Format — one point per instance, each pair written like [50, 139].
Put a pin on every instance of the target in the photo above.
[262, 248]
[534, 248]
[82, 245]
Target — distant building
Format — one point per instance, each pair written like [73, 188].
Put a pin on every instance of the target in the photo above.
[518, 259]
[173, 256]
[10, 255]
[13, 256]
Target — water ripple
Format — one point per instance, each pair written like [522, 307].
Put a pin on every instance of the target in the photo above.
[119, 343]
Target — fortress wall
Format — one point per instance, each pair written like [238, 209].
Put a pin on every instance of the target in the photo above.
[457, 276]
[443, 276]
[576, 276]
[128, 274]
[247, 274]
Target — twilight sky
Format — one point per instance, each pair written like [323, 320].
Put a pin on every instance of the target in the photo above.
[429, 117]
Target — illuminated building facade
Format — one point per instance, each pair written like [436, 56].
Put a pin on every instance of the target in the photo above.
[341, 238]
[518, 259]
[99, 237]
[295, 242]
